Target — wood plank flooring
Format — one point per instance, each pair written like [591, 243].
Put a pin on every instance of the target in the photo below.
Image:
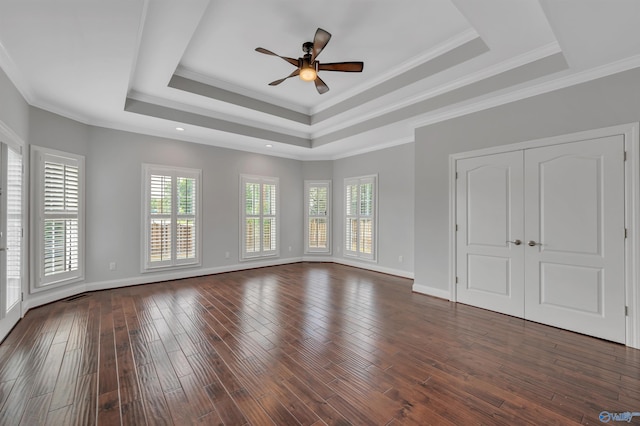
[309, 344]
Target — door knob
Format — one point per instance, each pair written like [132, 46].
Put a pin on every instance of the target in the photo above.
[533, 243]
[516, 242]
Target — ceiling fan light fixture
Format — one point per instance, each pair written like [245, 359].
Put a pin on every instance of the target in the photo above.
[308, 74]
[307, 67]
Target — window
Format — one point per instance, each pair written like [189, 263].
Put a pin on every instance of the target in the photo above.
[259, 221]
[171, 217]
[360, 217]
[59, 203]
[317, 216]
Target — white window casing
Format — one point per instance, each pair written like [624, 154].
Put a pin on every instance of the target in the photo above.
[317, 215]
[360, 219]
[259, 217]
[58, 196]
[171, 217]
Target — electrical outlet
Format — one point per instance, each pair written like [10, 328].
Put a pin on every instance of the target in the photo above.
[289, 248]
[226, 255]
[400, 259]
[112, 266]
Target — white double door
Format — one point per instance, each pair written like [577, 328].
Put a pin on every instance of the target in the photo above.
[11, 236]
[541, 235]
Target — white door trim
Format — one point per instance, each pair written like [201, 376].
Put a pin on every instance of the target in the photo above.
[15, 142]
[631, 133]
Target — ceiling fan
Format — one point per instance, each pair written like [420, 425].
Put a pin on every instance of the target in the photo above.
[308, 66]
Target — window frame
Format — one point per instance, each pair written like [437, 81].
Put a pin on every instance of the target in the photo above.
[39, 155]
[308, 184]
[359, 182]
[262, 253]
[173, 216]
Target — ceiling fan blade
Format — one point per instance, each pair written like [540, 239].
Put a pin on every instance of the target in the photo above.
[321, 86]
[320, 40]
[293, 74]
[292, 61]
[342, 66]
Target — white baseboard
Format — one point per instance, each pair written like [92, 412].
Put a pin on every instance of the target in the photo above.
[44, 297]
[431, 291]
[373, 267]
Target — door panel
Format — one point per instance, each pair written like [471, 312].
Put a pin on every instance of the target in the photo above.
[574, 204]
[570, 201]
[554, 293]
[489, 214]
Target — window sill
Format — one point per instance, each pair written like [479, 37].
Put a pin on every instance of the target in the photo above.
[37, 288]
[170, 267]
[260, 257]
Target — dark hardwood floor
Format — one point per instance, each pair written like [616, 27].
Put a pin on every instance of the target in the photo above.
[308, 344]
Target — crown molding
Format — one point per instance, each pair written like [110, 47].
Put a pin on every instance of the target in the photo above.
[396, 142]
[450, 44]
[223, 141]
[168, 103]
[512, 63]
[243, 91]
[533, 90]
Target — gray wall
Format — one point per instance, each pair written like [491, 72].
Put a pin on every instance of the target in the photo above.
[14, 111]
[53, 131]
[600, 103]
[320, 170]
[114, 188]
[394, 167]
[113, 194]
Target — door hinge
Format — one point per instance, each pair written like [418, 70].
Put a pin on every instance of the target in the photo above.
[626, 311]
[22, 297]
[626, 232]
[625, 156]
[456, 175]
[456, 280]
[456, 227]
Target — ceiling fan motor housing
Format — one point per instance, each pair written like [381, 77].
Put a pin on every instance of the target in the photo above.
[307, 47]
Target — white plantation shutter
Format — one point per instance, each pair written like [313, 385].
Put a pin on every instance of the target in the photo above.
[59, 199]
[351, 217]
[252, 224]
[186, 227]
[360, 217]
[61, 244]
[317, 216]
[171, 217]
[269, 223]
[160, 235]
[259, 221]
[14, 228]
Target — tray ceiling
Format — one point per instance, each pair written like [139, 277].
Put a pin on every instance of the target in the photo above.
[152, 66]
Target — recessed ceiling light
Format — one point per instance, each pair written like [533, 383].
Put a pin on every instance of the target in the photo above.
[180, 129]
[269, 145]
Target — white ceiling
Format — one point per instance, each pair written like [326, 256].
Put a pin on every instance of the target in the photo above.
[150, 66]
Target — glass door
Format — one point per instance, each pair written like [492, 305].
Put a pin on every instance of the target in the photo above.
[11, 236]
